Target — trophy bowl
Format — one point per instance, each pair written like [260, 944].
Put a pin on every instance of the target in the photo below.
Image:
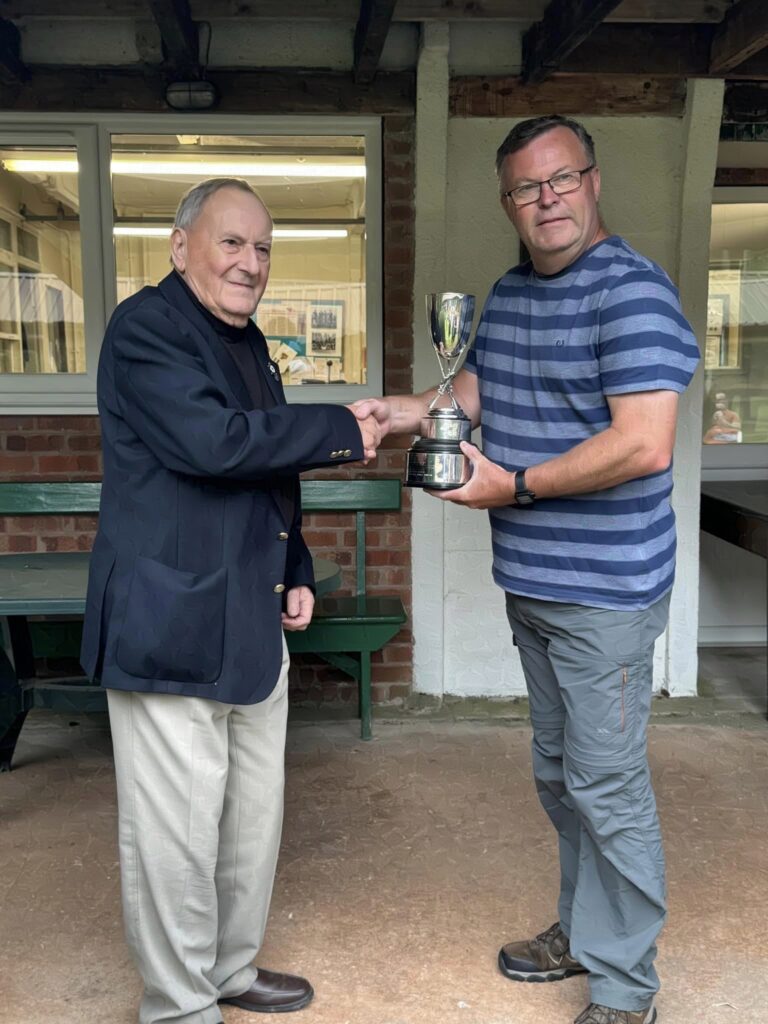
[435, 460]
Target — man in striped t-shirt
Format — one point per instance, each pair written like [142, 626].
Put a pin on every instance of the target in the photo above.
[579, 359]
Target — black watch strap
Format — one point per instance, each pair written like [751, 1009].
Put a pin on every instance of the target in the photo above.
[523, 496]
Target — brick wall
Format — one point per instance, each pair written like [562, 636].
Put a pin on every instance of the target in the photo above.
[68, 448]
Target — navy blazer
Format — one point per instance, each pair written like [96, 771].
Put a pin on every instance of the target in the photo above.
[192, 551]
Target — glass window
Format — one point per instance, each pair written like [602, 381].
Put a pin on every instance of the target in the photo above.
[314, 311]
[41, 295]
[736, 350]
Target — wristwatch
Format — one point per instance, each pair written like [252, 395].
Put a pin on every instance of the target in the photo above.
[523, 496]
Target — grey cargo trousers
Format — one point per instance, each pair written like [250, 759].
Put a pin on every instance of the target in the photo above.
[589, 676]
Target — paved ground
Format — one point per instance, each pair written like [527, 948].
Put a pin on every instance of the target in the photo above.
[406, 862]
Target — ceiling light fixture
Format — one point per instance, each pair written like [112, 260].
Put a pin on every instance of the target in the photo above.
[196, 169]
[124, 231]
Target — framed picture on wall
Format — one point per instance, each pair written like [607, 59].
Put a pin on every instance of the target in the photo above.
[325, 329]
[723, 343]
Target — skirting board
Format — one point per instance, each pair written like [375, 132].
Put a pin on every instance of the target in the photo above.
[732, 636]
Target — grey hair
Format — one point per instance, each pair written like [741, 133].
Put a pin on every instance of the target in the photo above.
[526, 131]
[194, 198]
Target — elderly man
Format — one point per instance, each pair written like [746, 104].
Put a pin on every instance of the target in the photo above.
[197, 568]
[580, 355]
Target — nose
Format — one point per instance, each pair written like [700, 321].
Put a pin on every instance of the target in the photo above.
[249, 260]
[547, 196]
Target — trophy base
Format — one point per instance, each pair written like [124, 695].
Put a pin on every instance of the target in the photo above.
[436, 466]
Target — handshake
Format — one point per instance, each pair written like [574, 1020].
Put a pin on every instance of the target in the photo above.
[374, 418]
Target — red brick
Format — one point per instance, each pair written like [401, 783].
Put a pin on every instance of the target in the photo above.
[69, 464]
[15, 466]
[59, 543]
[22, 542]
[84, 442]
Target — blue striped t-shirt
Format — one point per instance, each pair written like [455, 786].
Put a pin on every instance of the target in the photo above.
[547, 353]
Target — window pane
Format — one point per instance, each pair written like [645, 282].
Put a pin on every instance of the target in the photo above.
[736, 351]
[313, 312]
[41, 288]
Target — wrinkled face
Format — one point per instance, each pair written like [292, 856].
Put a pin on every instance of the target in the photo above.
[224, 254]
[556, 229]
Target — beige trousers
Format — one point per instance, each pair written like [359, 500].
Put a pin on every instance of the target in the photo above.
[200, 803]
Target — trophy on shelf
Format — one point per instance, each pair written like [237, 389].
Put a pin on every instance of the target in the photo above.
[435, 460]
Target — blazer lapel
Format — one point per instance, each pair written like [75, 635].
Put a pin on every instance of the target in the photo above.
[178, 296]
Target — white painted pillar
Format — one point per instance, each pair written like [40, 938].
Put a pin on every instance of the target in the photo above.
[701, 131]
[428, 524]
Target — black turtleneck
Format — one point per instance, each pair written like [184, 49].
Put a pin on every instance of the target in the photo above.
[242, 343]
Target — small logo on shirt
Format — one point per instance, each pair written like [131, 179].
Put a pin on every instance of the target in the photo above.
[560, 342]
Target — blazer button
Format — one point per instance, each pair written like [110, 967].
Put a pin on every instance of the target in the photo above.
[347, 452]
[334, 455]
[282, 536]
[279, 588]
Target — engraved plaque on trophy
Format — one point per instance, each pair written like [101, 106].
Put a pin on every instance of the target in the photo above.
[435, 460]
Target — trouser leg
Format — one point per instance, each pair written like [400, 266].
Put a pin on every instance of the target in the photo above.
[603, 661]
[548, 722]
[249, 834]
[171, 767]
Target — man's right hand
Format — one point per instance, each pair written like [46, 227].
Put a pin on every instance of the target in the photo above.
[378, 409]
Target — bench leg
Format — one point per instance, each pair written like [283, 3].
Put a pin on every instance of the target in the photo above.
[364, 689]
[12, 711]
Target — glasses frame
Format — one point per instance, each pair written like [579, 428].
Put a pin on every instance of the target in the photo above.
[510, 193]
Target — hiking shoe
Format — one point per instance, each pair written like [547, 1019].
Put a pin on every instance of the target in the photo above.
[596, 1014]
[545, 958]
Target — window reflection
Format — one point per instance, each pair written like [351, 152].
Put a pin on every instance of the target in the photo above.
[736, 347]
[313, 312]
[41, 298]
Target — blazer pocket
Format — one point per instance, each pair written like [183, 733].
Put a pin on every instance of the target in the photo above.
[174, 624]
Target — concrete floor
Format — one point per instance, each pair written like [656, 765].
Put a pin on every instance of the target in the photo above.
[406, 862]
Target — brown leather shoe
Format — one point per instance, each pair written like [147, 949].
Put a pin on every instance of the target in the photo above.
[273, 993]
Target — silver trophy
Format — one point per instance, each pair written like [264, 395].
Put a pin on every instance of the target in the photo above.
[435, 460]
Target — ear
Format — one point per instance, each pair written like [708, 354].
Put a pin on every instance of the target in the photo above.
[179, 249]
[596, 182]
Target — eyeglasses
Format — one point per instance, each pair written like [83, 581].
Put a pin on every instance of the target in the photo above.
[561, 184]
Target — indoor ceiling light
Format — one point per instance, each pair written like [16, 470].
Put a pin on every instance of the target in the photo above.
[290, 233]
[198, 169]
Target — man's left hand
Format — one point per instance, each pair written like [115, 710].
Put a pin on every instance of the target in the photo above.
[490, 486]
[299, 604]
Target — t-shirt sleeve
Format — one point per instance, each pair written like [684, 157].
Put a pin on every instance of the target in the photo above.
[645, 342]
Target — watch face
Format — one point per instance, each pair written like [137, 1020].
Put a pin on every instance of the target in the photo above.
[524, 498]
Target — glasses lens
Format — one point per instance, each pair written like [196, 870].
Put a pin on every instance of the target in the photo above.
[565, 183]
[525, 194]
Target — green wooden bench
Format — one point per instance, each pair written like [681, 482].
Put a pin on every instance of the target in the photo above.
[345, 631]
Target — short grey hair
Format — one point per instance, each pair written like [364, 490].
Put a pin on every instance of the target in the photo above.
[526, 131]
[194, 198]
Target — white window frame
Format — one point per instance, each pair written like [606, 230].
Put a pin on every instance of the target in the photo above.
[735, 461]
[56, 393]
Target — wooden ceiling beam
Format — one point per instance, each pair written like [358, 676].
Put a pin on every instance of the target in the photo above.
[565, 25]
[370, 36]
[710, 11]
[178, 32]
[12, 68]
[578, 95]
[742, 33]
[240, 91]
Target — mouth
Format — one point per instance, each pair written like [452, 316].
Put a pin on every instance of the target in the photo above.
[553, 220]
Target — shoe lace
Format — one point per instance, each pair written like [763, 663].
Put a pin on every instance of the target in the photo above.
[548, 938]
[596, 1014]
